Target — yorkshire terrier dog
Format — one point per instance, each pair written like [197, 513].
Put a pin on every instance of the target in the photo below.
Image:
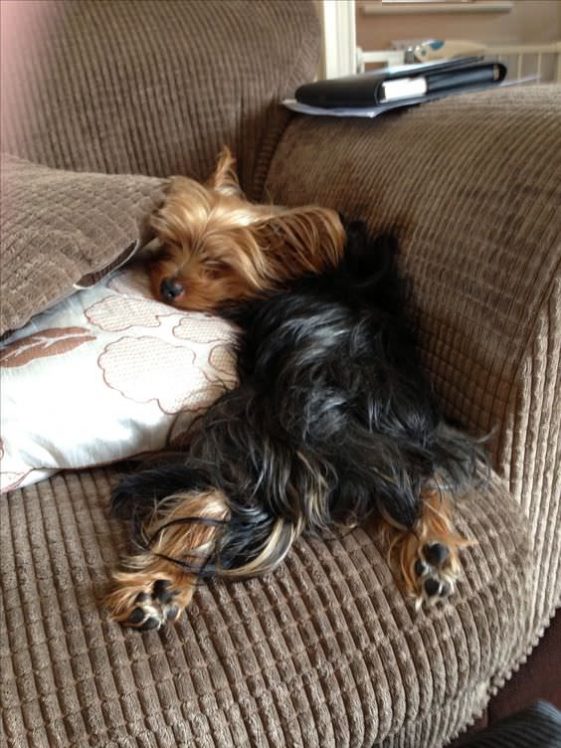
[333, 421]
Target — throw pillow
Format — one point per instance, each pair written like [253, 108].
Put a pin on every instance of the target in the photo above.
[106, 374]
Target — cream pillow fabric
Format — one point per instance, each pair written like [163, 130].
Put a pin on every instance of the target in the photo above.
[106, 374]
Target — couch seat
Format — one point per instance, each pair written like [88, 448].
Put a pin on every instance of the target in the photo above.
[324, 652]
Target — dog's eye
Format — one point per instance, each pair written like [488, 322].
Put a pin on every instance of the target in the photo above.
[215, 269]
[163, 254]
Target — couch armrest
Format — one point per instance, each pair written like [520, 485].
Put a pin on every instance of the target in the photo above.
[472, 186]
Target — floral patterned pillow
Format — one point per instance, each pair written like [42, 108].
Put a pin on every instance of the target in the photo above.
[106, 374]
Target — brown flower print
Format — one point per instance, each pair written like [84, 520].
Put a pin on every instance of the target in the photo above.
[52, 342]
[205, 328]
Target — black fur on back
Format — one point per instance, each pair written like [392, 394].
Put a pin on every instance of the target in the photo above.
[333, 420]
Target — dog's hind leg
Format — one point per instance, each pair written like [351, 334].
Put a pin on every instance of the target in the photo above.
[138, 494]
[425, 557]
[156, 585]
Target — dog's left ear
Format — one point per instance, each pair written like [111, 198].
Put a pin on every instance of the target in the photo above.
[306, 239]
[225, 178]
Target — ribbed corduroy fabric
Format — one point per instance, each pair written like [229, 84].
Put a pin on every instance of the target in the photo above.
[155, 87]
[57, 226]
[325, 652]
[472, 186]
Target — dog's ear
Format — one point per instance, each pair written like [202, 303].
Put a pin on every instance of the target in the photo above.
[308, 238]
[224, 177]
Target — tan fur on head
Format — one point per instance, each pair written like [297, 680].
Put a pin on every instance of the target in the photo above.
[217, 247]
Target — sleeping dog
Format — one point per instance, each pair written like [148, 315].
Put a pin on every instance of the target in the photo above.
[333, 421]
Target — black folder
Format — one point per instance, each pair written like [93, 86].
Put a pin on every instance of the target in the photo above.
[426, 80]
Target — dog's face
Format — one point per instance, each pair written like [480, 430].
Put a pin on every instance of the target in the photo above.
[214, 247]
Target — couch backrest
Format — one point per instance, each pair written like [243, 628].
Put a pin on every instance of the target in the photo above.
[153, 86]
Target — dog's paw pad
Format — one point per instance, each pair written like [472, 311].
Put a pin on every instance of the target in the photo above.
[162, 591]
[436, 553]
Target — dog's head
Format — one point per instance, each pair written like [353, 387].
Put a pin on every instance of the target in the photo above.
[214, 247]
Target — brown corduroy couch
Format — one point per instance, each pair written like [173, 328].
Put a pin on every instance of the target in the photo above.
[326, 651]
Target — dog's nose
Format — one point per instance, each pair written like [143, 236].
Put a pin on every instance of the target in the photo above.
[170, 289]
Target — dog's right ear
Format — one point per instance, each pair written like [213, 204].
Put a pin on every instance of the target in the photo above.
[225, 178]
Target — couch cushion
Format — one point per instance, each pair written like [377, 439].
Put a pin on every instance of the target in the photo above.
[58, 226]
[324, 652]
[154, 87]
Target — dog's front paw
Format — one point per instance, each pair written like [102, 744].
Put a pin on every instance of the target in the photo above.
[150, 598]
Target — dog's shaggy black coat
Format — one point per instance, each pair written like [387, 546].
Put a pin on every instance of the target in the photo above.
[333, 420]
